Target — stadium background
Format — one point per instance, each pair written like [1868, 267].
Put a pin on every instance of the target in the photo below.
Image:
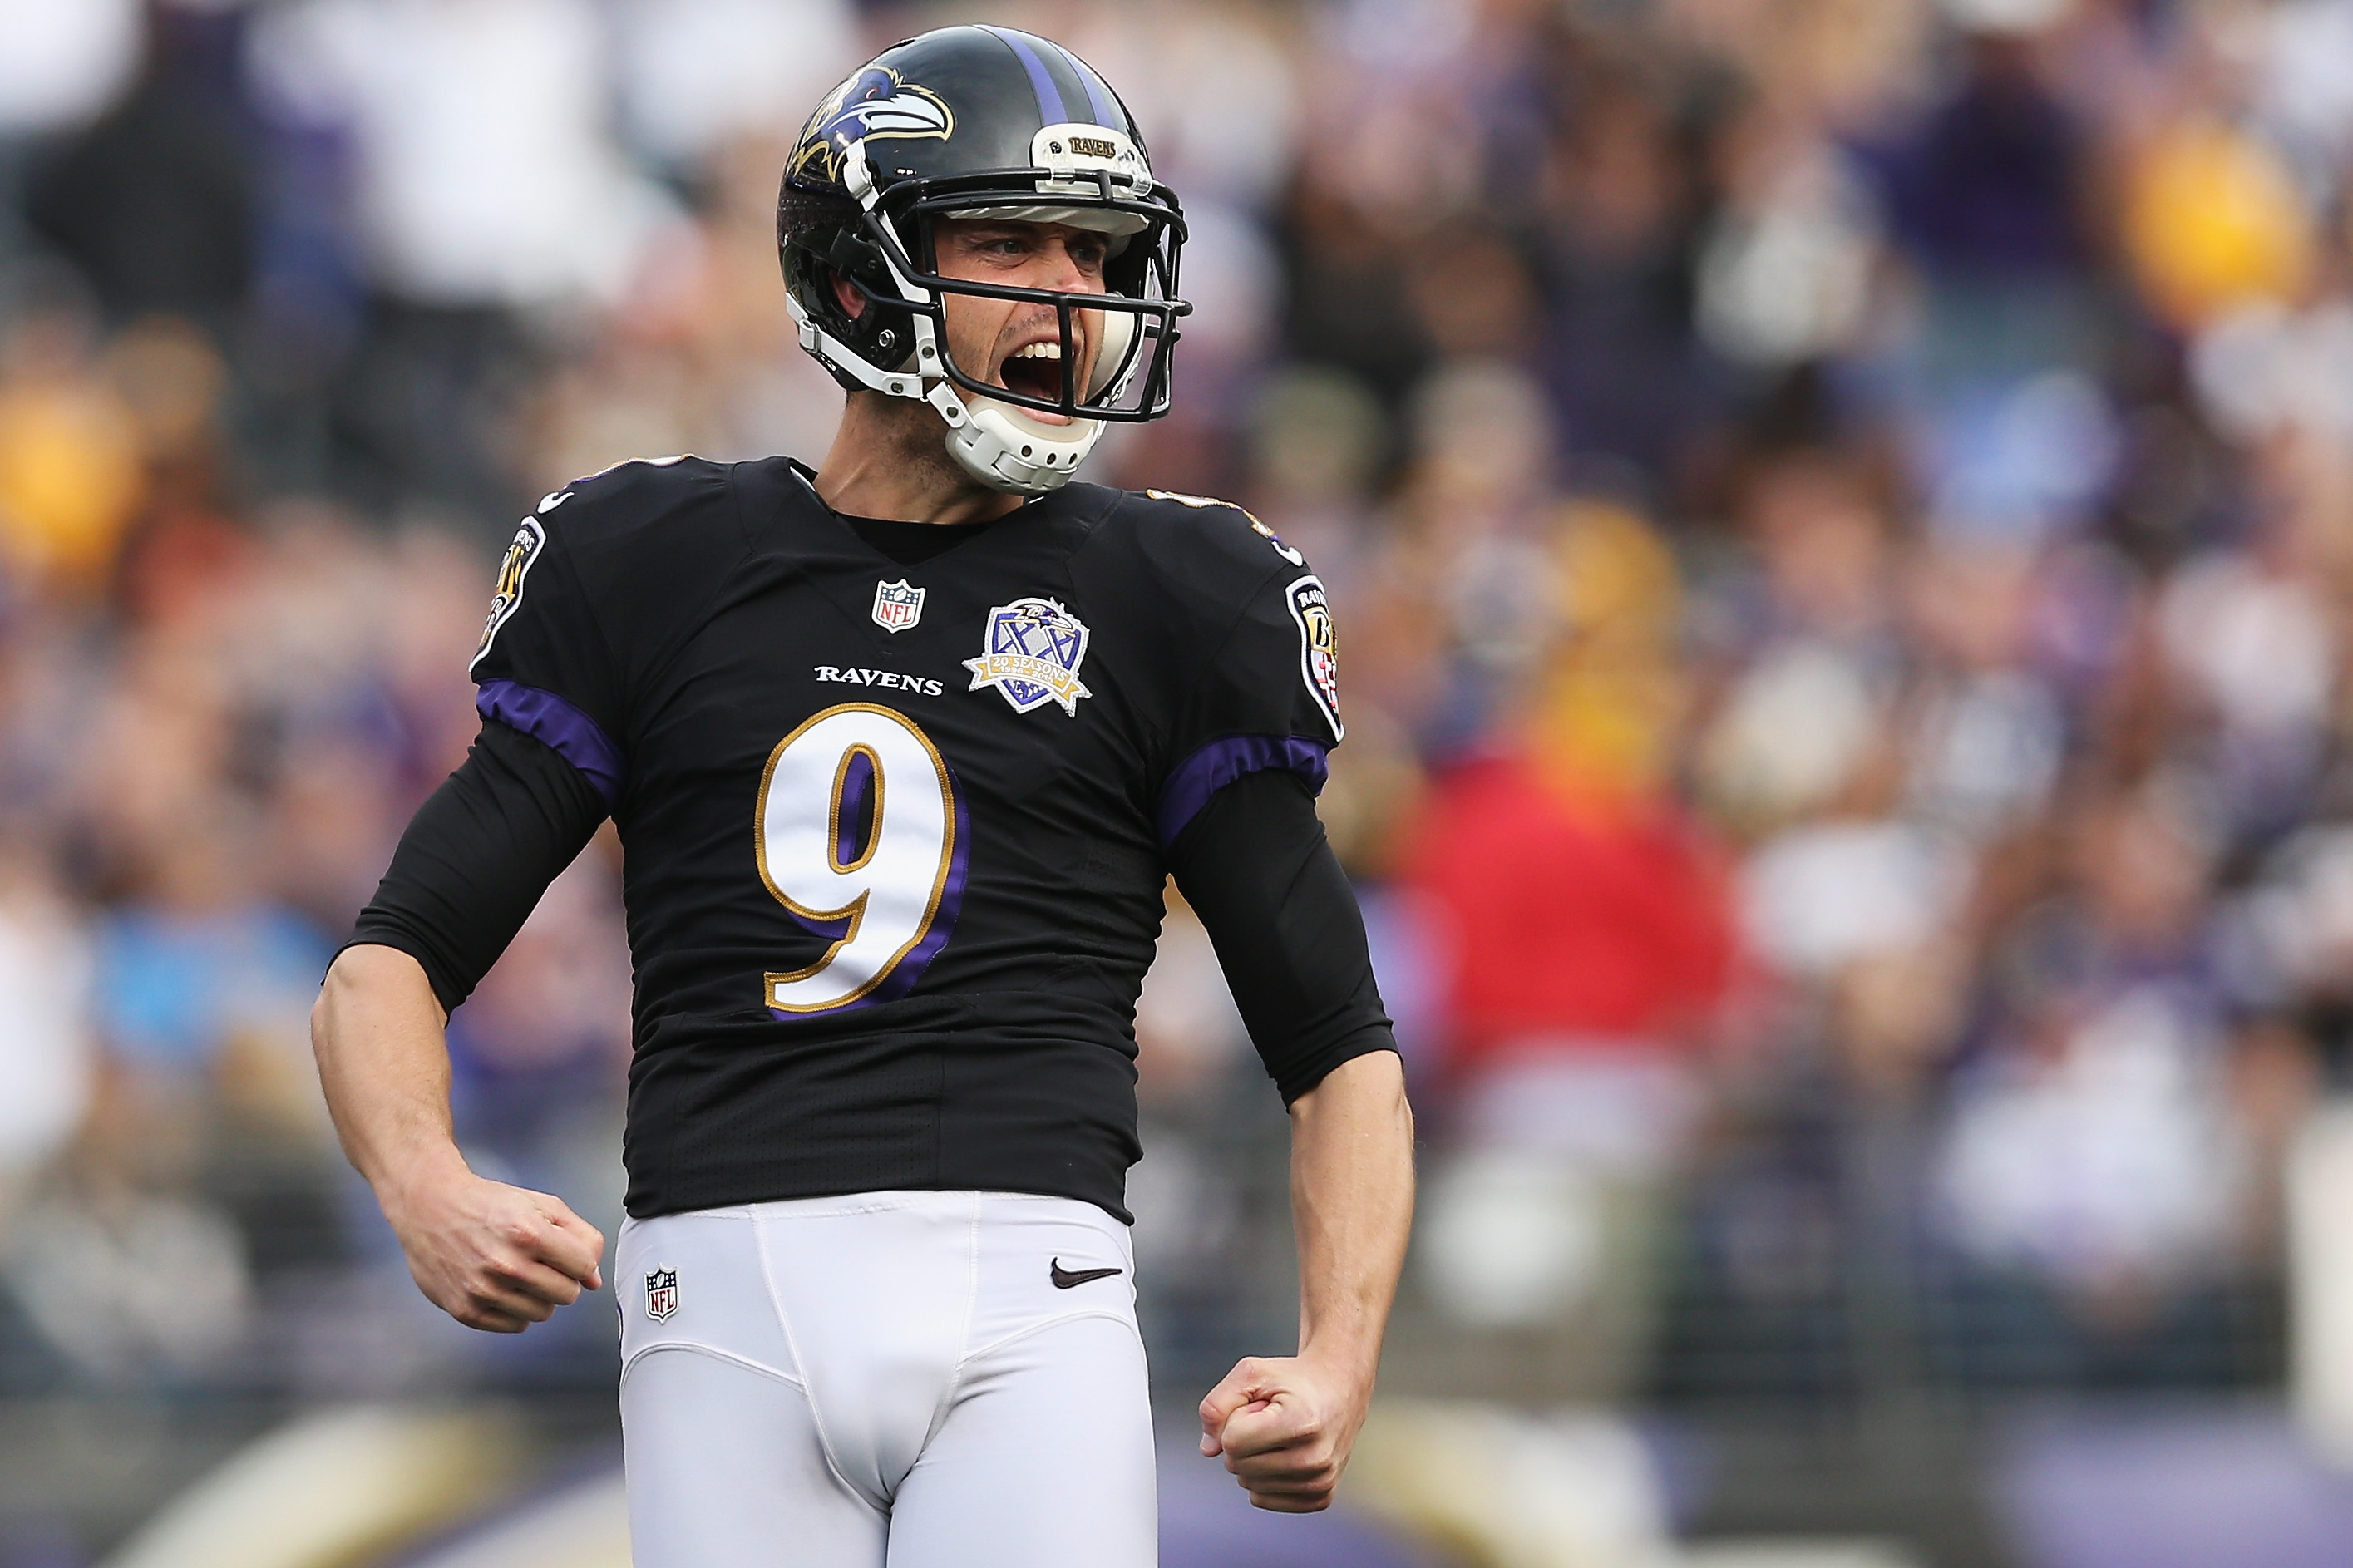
[1841, 513]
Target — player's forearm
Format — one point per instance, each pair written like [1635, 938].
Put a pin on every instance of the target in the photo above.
[376, 1031]
[1352, 1206]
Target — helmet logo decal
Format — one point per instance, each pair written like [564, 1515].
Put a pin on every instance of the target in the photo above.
[873, 104]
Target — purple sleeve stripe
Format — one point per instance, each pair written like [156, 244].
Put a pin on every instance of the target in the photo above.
[560, 726]
[1192, 781]
[1050, 97]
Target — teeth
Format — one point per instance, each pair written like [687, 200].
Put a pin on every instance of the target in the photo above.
[1040, 351]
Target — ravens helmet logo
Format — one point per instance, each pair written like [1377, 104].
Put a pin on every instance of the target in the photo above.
[874, 103]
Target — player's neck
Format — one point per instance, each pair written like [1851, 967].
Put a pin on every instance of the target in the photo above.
[889, 460]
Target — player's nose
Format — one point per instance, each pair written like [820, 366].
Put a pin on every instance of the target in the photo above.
[1059, 270]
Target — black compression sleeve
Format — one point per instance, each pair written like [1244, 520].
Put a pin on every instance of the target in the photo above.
[1256, 868]
[476, 858]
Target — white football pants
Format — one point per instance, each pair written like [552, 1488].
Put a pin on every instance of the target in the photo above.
[885, 1380]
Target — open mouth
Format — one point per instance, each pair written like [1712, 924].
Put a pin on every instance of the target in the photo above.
[1034, 371]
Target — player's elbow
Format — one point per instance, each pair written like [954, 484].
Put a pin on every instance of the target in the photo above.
[322, 1014]
[334, 1002]
[368, 980]
[1373, 1082]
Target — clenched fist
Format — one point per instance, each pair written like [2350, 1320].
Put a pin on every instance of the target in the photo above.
[1285, 1426]
[494, 1257]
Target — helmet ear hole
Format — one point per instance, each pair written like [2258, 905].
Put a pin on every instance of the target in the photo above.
[841, 293]
[1119, 340]
[878, 332]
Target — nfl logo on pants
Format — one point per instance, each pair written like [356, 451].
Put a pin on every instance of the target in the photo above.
[661, 1293]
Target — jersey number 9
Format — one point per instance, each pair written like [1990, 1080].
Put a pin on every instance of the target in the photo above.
[857, 835]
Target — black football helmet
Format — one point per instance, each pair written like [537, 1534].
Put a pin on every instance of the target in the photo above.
[967, 122]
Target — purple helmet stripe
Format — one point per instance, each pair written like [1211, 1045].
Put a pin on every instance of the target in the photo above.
[1050, 97]
[1191, 783]
[560, 726]
[1097, 93]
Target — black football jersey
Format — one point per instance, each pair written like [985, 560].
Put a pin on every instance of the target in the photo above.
[893, 834]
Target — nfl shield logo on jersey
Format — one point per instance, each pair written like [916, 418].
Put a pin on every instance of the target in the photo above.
[897, 605]
[661, 1293]
[1033, 648]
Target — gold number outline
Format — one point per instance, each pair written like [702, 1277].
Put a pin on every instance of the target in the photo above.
[855, 910]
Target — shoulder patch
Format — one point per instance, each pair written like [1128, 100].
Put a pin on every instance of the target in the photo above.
[1181, 499]
[514, 568]
[1319, 647]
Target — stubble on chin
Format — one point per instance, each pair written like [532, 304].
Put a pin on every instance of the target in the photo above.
[917, 438]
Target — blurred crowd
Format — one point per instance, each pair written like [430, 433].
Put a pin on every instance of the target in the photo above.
[1839, 511]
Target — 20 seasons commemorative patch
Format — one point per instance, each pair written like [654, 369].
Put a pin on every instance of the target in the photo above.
[1033, 648]
[1319, 647]
[514, 567]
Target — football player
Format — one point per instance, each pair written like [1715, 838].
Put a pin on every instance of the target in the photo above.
[902, 750]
